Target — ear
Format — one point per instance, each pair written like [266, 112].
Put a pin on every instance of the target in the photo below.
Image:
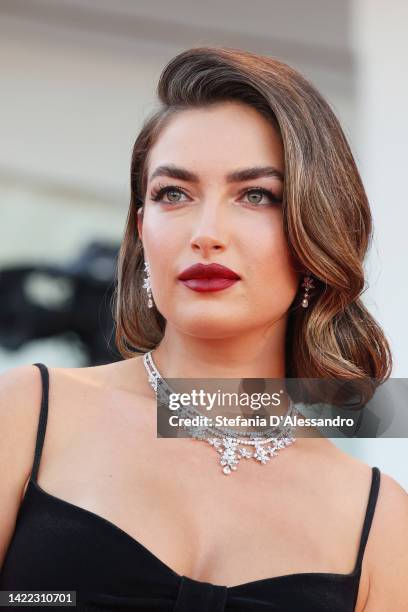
[140, 221]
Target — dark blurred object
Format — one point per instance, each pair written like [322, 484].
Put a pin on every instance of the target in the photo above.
[44, 301]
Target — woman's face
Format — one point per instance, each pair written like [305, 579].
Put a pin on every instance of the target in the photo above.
[213, 218]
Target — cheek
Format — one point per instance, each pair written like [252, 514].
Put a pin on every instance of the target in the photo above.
[159, 239]
[270, 263]
[163, 247]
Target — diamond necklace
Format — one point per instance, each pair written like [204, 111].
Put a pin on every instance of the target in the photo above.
[226, 441]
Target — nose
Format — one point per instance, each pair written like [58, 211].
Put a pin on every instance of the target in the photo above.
[209, 235]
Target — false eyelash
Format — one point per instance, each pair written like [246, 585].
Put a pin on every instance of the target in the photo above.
[161, 189]
[158, 192]
[266, 192]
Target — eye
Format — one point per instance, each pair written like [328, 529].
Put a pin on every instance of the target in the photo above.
[260, 192]
[173, 194]
[171, 190]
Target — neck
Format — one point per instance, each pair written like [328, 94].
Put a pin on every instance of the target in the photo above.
[252, 354]
[257, 353]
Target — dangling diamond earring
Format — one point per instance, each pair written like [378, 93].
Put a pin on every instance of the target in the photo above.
[308, 284]
[147, 286]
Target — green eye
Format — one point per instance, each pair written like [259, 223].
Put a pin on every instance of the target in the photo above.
[172, 190]
[260, 192]
[157, 196]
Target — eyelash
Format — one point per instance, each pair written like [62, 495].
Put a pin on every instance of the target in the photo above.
[159, 192]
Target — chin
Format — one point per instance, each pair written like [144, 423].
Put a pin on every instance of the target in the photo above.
[208, 322]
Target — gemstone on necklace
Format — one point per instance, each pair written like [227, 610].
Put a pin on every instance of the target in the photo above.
[228, 443]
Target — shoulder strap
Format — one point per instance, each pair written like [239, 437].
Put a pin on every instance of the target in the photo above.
[372, 500]
[42, 423]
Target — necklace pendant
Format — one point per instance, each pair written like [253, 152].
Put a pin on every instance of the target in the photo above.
[261, 454]
[229, 456]
[231, 452]
[245, 453]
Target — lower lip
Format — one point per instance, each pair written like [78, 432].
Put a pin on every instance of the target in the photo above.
[209, 284]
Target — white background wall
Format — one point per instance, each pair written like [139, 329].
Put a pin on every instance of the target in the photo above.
[381, 135]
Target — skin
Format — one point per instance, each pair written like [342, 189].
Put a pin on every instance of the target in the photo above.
[307, 505]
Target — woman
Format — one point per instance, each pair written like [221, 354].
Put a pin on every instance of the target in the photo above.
[246, 167]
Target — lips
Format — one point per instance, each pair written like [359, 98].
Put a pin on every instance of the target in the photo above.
[210, 277]
[208, 271]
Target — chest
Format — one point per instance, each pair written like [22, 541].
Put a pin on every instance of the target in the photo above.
[171, 495]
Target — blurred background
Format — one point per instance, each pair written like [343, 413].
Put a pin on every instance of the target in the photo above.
[78, 77]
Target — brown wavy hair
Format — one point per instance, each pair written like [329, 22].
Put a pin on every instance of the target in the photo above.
[326, 215]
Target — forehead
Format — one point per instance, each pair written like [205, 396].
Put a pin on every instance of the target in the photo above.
[214, 139]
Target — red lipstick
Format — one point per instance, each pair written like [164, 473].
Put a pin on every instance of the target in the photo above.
[208, 277]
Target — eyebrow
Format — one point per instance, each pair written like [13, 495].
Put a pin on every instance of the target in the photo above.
[245, 174]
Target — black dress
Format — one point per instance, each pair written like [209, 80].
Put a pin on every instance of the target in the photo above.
[59, 546]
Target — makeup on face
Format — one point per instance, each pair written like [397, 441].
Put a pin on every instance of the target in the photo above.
[208, 277]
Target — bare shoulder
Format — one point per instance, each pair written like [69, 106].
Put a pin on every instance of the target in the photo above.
[388, 549]
[20, 398]
[82, 399]
[385, 561]
[18, 381]
[70, 389]
[126, 375]
[76, 395]
[383, 584]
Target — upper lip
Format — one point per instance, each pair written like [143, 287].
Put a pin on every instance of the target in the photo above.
[212, 270]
